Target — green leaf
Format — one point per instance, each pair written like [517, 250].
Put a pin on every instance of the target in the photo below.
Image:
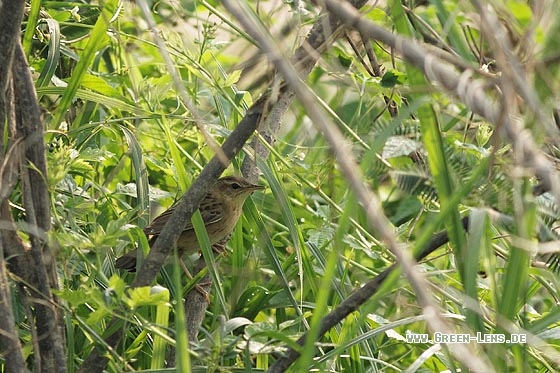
[233, 78]
[344, 59]
[392, 78]
[51, 63]
[99, 85]
[145, 296]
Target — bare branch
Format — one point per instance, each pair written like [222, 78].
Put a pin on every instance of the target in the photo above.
[29, 127]
[11, 14]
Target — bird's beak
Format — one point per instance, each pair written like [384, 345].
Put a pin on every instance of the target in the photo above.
[256, 187]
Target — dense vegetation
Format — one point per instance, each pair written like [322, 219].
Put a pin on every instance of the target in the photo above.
[425, 130]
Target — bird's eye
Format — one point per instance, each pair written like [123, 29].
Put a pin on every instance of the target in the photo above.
[235, 186]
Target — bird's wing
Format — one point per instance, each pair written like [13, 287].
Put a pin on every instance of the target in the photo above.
[212, 213]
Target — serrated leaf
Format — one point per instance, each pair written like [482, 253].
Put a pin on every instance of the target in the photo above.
[393, 77]
[233, 78]
[81, 166]
[117, 284]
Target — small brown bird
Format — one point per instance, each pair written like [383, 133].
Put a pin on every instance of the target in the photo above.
[220, 210]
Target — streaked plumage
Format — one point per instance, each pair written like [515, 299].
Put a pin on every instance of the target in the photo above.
[220, 210]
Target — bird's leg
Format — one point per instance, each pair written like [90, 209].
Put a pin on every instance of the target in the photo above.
[220, 246]
[200, 287]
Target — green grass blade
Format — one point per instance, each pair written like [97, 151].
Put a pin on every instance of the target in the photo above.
[182, 354]
[53, 55]
[455, 36]
[178, 163]
[32, 19]
[514, 284]
[162, 322]
[304, 263]
[208, 253]
[271, 255]
[112, 102]
[141, 173]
